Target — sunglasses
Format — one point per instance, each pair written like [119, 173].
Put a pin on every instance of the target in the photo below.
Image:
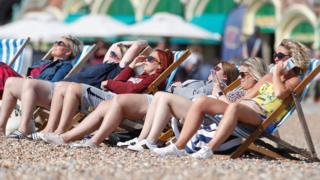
[279, 55]
[216, 68]
[113, 54]
[243, 74]
[151, 59]
[60, 43]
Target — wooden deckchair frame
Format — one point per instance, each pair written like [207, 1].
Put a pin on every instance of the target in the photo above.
[248, 144]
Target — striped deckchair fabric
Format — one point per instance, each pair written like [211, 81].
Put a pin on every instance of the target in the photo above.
[11, 52]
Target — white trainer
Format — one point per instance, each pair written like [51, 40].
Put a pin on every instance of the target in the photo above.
[142, 145]
[204, 153]
[128, 143]
[169, 150]
[52, 138]
[85, 143]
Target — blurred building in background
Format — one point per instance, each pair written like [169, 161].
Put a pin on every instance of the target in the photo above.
[260, 24]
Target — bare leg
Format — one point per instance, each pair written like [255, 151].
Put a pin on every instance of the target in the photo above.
[71, 104]
[35, 93]
[12, 92]
[91, 123]
[198, 109]
[131, 106]
[167, 106]
[234, 113]
[56, 108]
[149, 118]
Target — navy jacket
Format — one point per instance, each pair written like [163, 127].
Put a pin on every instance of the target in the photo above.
[95, 74]
[54, 70]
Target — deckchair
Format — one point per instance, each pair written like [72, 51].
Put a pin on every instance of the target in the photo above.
[253, 137]
[11, 52]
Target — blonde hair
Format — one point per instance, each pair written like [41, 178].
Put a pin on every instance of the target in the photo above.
[299, 53]
[75, 45]
[230, 70]
[256, 66]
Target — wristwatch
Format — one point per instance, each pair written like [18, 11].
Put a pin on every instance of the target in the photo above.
[220, 93]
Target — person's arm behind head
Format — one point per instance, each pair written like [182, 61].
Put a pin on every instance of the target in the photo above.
[133, 51]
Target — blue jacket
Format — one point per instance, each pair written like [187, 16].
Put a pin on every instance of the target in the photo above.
[54, 70]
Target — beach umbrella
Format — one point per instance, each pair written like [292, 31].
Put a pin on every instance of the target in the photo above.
[37, 26]
[169, 25]
[96, 26]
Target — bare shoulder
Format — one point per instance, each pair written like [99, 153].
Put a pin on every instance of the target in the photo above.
[292, 82]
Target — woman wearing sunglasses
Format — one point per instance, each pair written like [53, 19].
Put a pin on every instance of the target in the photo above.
[125, 82]
[265, 97]
[134, 107]
[63, 51]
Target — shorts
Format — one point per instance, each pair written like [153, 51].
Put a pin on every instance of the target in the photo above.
[92, 97]
[149, 98]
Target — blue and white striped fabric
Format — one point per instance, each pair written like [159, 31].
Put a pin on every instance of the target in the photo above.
[84, 52]
[177, 55]
[9, 49]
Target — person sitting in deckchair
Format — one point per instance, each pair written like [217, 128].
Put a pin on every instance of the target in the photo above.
[65, 50]
[41, 91]
[267, 95]
[134, 107]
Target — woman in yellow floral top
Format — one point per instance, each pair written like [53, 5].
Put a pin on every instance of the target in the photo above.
[265, 97]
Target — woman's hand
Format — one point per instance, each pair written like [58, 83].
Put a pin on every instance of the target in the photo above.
[177, 84]
[279, 68]
[216, 88]
[104, 85]
[138, 61]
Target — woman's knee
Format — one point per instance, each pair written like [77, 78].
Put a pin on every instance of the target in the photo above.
[11, 82]
[74, 88]
[119, 101]
[200, 102]
[163, 96]
[61, 87]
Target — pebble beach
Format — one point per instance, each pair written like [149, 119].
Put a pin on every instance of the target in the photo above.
[24, 159]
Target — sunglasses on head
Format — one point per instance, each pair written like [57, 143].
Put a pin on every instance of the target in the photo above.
[279, 55]
[60, 43]
[243, 74]
[152, 59]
